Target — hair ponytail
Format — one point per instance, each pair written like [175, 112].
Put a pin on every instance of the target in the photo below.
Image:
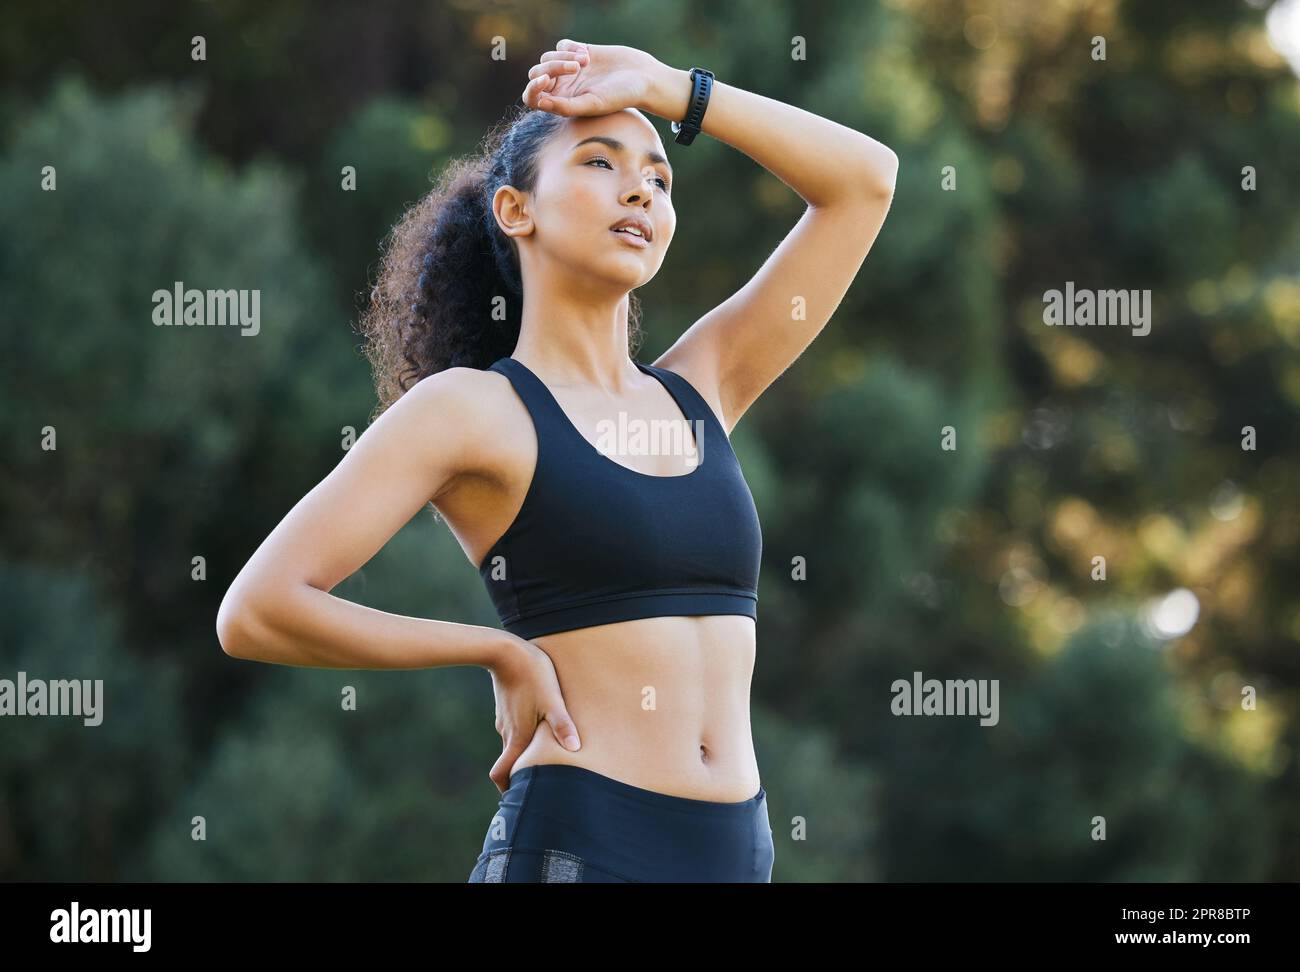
[446, 268]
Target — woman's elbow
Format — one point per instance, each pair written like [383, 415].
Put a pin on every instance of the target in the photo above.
[886, 171]
[877, 167]
[234, 624]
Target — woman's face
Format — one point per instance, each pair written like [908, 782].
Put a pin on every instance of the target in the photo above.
[593, 173]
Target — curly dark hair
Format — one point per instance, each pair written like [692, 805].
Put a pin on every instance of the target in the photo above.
[449, 291]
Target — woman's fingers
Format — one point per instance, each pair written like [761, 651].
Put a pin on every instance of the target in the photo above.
[567, 66]
[561, 723]
[580, 56]
[568, 58]
[583, 104]
[542, 79]
[572, 45]
[500, 772]
[535, 88]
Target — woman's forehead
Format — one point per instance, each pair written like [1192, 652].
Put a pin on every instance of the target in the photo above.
[627, 127]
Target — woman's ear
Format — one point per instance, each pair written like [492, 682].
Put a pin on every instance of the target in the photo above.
[510, 209]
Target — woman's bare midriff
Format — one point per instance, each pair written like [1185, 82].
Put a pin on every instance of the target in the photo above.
[660, 703]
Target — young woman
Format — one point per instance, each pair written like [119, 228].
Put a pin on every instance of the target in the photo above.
[625, 571]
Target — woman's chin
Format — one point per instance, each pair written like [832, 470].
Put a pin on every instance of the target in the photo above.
[630, 270]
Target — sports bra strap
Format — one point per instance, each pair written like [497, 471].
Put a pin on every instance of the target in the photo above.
[541, 404]
[692, 403]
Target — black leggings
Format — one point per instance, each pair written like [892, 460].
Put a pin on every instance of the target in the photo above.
[559, 823]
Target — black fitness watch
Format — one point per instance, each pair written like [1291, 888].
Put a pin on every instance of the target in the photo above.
[701, 86]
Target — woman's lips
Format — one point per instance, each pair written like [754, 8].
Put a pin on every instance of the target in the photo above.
[639, 242]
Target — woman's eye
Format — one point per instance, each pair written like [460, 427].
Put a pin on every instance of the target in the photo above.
[600, 158]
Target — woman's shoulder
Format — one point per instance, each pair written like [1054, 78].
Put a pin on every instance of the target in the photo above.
[473, 411]
[461, 392]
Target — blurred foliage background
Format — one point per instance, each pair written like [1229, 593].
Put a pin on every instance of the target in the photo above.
[176, 443]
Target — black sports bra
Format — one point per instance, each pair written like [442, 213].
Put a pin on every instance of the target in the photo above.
[597, 542]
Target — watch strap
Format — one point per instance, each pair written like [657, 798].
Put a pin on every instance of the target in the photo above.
[701, 87]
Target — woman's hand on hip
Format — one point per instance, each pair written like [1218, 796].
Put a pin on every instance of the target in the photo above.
[527, 692]
[589, 79]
